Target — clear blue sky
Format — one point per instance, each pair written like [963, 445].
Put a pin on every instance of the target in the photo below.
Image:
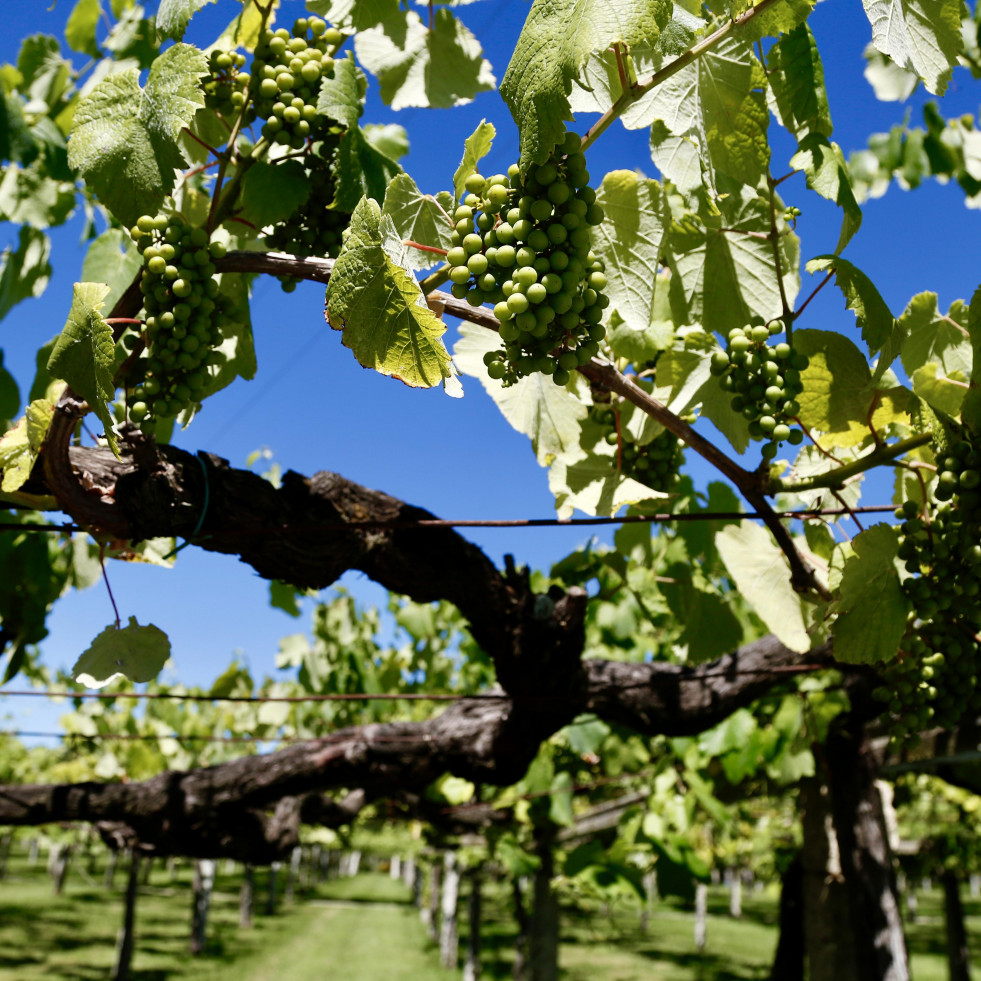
[316, 409]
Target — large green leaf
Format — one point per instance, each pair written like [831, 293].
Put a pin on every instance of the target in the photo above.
[24, 271]
[872, 608]
[923, 36]
[717, 104]
[271, 193]
[81, 26]
[436, 67]
[937, 353]
[133, 652]
[374, 299]
[29, 197]
[726, 276]
[827, 173]
[761, 574]
[548, 414]
[590, 482]
[839, 398]
[629, 241]
[173, 16]
[124, 139]
[360, 170]
[340, 96]
[357, 14]
[709, 627]
[557, 39]
[418, 218]
[796, 91]
[20, 446]
[83, 355]
[877, 324]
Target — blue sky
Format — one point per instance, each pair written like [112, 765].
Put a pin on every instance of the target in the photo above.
[315, 408]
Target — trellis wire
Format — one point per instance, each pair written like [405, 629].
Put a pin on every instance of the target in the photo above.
[660, 518]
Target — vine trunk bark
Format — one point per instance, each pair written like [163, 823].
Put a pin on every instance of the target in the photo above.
[852, 925]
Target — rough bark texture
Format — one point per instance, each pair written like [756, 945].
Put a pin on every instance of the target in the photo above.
[853, 929]
[543, 935]
[958, 960]
[204, 880]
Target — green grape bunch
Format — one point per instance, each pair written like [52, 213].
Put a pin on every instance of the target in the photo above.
[655, 464]
[287, 71]
[316, 228]
[523, 244]
[226, 87]
[764, 380]
[936, 681]
[184, 313]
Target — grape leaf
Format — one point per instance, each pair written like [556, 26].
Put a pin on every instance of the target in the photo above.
[591, 482]
[475, 147]
[839, 398]
[357, 14]
[389, 139]
[725, 278]
[796, 92]
[83, 355]
[25, 271]
[29, 197]
[418, 218]
[761, 574]
[133, 652]
[922, 36]
[548, 414]
[718, 104]
[17, 141]
[629, 241]
[271, 193]
[112, 259]
[872, 315]
[340, 96]
[81, 25]
[937, 353]
[872, 608]
[20, 446]
[889, 82]
[555, 44]
[824, 167]
[173, 16]
[418, 66]
[360, 170]
[374, 299]
[709, 627]
[124, 138]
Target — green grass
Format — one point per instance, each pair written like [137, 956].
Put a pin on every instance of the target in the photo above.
[364, 929]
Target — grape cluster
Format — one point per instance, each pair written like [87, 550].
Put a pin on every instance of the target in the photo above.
[523, 244]
[287, 71]
[654, 464]
[317, 227]
[184, 312]
[764, 380]
[226, 86]
[936, 679]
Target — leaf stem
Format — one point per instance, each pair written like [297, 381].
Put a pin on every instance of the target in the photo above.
[774, 236]
[817, 289]
[423, 248]
[835, 479]
[105, 579]
[434, 280]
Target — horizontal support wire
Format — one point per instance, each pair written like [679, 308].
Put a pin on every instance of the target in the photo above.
[661, 518]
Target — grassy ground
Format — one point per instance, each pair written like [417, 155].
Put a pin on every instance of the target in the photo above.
[364, 929]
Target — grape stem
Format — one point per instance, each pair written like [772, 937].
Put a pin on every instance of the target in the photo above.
[423, 248]
[835, 478]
